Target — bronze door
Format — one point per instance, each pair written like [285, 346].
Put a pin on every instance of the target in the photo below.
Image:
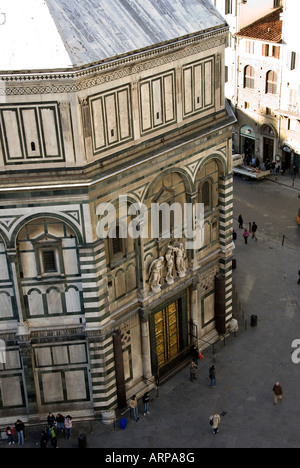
[167, 334]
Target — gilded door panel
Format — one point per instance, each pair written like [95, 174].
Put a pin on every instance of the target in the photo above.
[167, 334]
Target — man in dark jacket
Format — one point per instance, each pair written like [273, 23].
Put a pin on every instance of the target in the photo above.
[20, 431]
[254, 229]
[278, 392]
[212, 376]
[195, 354]
[146, 400]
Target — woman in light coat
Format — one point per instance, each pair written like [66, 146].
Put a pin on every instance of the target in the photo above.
[215, 422]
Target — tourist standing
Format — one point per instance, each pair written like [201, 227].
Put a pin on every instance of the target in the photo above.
[134, 408]
[68, 426]
[193, 369]
[20, 431]
[212, 376]
[146, 400]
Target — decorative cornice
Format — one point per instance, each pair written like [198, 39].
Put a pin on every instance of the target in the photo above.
[70, 81]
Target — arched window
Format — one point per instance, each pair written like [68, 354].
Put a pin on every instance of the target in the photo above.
[271, 82]
[205, 195]
[249, 77]
[117, 243]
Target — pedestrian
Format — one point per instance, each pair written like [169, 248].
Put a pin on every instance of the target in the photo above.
[52, 436]
[212, 376]
[44, 439]
[51, 420]
[193, 369]
[146, 400]
[68, 426]
[299, 277]
[246, 235]
[215, 421]
[10, 432]
[278, 393]
[195, 354]
[134, 408]
[234, 237]
[60, 420]
[254, 229]
[20, 431]
[241, 222]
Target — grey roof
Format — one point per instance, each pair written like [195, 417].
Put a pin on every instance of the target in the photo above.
[94, 30]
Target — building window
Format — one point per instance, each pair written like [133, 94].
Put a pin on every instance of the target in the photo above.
[271, 84]
[206, 196]
[277, 3]
[249, 79]
[228, 7]
[250, 47]
[276, 52]
[293, 60]
[117, 245]
[49, 261]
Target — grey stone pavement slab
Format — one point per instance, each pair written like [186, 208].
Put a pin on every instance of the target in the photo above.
[247, 368]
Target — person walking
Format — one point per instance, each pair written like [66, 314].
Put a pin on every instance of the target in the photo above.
[195, 354]
[278, 393]
[20, 431]
[212, 376]
[134, 408]
[299, 277]
[68, 426]
[241, 222]
[246, 236]
[234, 237]
[193, 369]
[254, 230]
[215, 421]
[146, 400]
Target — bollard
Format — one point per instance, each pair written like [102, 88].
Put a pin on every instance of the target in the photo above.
[82, 442]
[253, 320]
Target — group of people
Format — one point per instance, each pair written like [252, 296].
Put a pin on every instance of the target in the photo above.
[56, 425]
[246, 234]
[19, 429]
[134, 409]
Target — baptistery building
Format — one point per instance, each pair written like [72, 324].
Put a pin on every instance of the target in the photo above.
[109, 110]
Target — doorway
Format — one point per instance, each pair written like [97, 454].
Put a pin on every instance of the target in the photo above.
[268, 149]
[167, 334]
[169, 337]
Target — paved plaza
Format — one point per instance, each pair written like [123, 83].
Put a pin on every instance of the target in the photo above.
[248, 366]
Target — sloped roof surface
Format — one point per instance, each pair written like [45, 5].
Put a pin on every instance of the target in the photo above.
[93, 30]
[268, 28]
[53, 34]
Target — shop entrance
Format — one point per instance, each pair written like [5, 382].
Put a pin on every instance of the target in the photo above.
[247, 144]
[268, 149]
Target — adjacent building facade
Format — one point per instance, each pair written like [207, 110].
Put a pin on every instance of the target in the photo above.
[122, 118]
[262, 79]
